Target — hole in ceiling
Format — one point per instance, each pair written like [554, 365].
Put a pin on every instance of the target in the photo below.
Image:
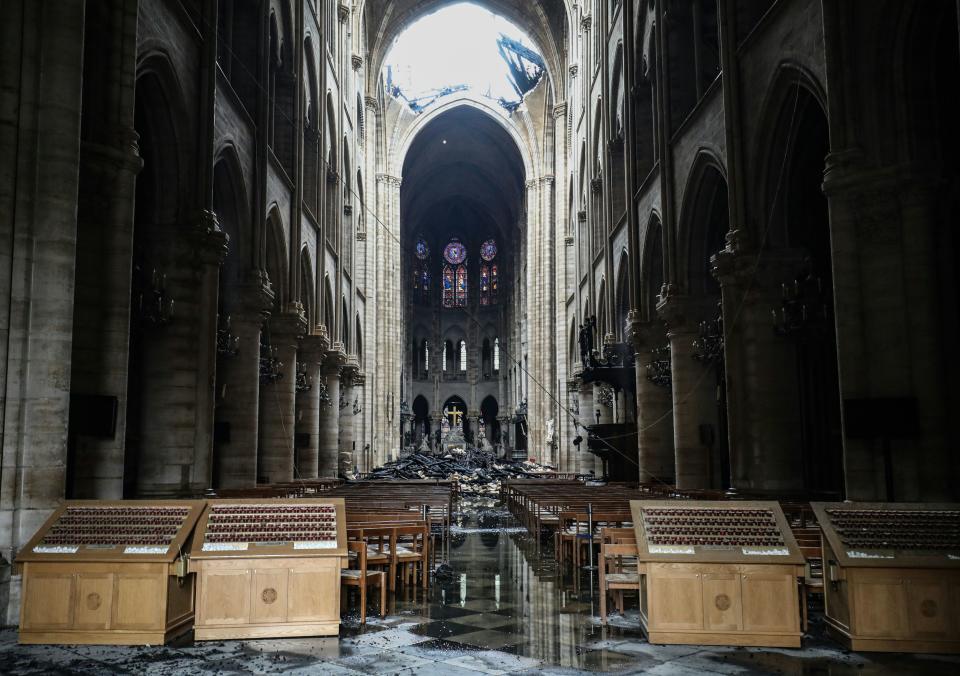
[462, 47]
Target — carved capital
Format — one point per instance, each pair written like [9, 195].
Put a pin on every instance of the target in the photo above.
[356, 61]
[207, 241]
[286, 329]
[389, 180]
[568, 240]
[256, 298]
[559, 110]
[313, 348]
[343, 12]
[586, 22]
[347, 209]
[683, 313]
[371, 103]
[574, 69]
[642, 336]
[334, 360]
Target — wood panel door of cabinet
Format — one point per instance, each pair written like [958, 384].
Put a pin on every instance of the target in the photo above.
[314, 592]
[770, 603]
[722, 607]
[224, 597]
[268, 596]
[139, 602]
[928, 609]
[48, 600]
[880, 604]
[676, 599]
[94, 601]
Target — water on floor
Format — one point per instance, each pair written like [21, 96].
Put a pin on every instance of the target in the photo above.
[500, 607]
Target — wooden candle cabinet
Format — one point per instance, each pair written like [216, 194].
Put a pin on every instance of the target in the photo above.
[269, 568]
[717, 573]
[110, 573]
[892, 575]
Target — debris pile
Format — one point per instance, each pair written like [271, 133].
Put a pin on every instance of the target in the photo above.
[477, 471]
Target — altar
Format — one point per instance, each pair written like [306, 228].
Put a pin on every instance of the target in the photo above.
[452, 438]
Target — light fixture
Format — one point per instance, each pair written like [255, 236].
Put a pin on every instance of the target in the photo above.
[708, 345]
[658, 370]
[803, 311]
[270, 365]
[154, 306]
[304, 381]
[228, 345]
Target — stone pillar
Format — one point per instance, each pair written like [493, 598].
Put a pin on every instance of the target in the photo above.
[348, 460]
[694, 391]
[360, 455]
[39, 156]
[239, 381]
[762, 391]
[278, 402]
[654, 417]
[310, 355]
[389, 353]
[101, 342]
[571, 457]
[589, 462]
[330, 414]
[177, 371]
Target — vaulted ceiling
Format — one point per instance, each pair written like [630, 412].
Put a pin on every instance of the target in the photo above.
[462, 160]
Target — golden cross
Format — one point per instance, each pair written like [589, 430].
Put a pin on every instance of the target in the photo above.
[454, 413]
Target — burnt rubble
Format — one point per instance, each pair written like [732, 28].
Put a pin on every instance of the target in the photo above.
[476, 471]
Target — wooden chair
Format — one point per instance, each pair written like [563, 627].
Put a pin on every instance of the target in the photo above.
[412, 552]
[362, 578]
[380, 544]
[620, 580]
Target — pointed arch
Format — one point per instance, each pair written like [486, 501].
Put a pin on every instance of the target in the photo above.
[793, 90]
[275, 256]
[328, 306]
[232, 208]
[621, 306]
[307, 288]
[703, 223]
[652, 270]
[358, 340]
[160, 119]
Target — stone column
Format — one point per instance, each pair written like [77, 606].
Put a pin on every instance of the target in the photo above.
[278, 402]
[39, 156]
[310, 355]
[329, 464]
[389, 354]
[239, 380]
[762, 391]
[474, 418]
[177, 371]
[588, 461]
[654, 418]
[101, 338]
[694, 392]
[361, 457]
[348, 460]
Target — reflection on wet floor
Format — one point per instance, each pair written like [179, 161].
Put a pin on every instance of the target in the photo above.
[501, 608]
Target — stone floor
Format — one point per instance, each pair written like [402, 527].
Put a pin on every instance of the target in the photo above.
[503, 610]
